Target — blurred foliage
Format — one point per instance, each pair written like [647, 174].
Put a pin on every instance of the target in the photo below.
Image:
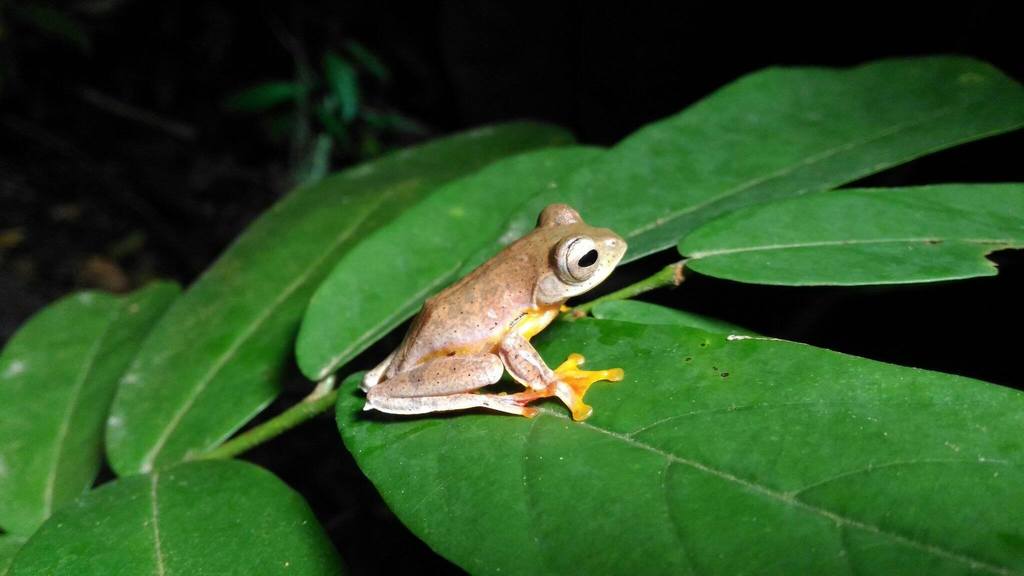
[118, 163]
[327, 113]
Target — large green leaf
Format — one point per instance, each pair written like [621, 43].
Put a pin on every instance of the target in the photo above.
[215, 518]
[213, 361]
[717, 454]
[385, 279]
[57, 377]
[646, 313]
[783, 132]
[869, 236]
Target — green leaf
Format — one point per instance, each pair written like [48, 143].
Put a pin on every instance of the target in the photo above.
[57, 376]
[866, 236]
[784, 132]
[646, 313]
[392, 272]
[265, 96]
[9, 546]
[716, 454]
[368, 61]
[344, 82]
[198, 518]
[214, 360]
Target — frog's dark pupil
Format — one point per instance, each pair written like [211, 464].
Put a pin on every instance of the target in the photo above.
[588, 259]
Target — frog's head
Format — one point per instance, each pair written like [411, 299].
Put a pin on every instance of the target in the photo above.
[580, 256]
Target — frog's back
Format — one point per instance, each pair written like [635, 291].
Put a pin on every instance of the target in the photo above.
[472, 315]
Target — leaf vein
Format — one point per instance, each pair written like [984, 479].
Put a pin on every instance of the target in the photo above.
[244, 336]
[847, 242]
[808, 161]
[895, 464]
[65, 424]
[677, 530]
[400, 310]
[733, 408]
[844, 550]
[154, 512]
[788, 500]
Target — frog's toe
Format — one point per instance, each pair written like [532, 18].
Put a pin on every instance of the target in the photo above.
[571, 363]
[510, 404]
[581, 380]
[576, 383]
[581, 411]
[521, 406]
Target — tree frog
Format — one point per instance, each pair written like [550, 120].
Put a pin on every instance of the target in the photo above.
[466, 336]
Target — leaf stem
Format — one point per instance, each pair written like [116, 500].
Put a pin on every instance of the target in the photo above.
[671, 275]
[323, 397]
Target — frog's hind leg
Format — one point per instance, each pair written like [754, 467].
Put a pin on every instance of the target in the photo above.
[462, 401]
[446, 383]
[567, 382]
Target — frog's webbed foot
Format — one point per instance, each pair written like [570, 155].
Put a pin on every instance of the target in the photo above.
[570, 385]
[573, 384]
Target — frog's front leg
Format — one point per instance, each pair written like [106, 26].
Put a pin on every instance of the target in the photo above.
[567, 382]
[445, 383]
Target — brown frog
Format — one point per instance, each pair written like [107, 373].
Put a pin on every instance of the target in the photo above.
[469, 334]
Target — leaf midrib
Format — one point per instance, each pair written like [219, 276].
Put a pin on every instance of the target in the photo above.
[20, 541]
[850, 242]
[65, 424]
[808, 161]
[789, 500]
[872, 467]
[245, 335]
[154, 510]
[403, 310]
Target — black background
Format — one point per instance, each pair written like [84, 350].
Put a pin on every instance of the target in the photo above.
[76, 178]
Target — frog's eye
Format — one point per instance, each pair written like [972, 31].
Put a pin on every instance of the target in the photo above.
[575, 259]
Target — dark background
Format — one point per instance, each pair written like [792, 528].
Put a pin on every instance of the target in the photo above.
[119, 162]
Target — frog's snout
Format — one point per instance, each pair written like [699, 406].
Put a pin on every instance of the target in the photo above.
[615, 247]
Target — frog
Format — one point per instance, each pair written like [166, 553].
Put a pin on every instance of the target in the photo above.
[468, 335]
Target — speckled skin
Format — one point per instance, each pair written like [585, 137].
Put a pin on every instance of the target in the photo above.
[467, 335]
